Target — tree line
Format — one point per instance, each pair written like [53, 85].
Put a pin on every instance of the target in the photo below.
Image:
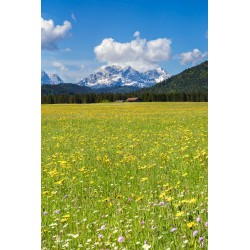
[110, 97]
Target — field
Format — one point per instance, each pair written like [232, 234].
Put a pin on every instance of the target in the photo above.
[124, 176]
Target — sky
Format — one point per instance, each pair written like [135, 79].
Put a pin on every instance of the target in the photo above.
[77, 37]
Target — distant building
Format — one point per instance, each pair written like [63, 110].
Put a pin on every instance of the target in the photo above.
[133, 99]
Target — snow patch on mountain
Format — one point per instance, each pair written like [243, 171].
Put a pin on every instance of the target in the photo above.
[114, 75]
[50, 78]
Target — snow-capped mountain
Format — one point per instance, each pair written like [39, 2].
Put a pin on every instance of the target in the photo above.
[110, 76]
[55, 79]
[50, 78]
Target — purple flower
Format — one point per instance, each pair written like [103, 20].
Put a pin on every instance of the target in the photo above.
[57, 211]
[100, 236]
[161, 203]
[195, 232]
[102, 227]
[173, 229]
[142, 222]
[201, 238]
[120, 239]
[198, 219]
[206, 224]
[45, 213]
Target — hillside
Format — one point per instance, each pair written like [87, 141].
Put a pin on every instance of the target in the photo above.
[64, 88]
[191, 80]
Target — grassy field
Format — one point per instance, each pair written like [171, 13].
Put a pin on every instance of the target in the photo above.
[124, 176]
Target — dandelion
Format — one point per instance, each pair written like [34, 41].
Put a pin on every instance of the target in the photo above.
[140, 198]
[121, 239]
[191, 224]
[173, 229]
[195, 232]
[144, 179]
[180, 214]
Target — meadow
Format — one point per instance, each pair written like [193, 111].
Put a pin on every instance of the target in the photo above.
[124, 176]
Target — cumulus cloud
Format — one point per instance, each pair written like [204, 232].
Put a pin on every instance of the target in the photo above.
[60, 66]
[192, 56]
[52, 34]
[140, 54]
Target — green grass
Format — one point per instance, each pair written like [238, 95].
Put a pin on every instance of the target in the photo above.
[135, 170]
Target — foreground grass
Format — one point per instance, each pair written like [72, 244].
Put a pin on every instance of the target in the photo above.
[124, 176]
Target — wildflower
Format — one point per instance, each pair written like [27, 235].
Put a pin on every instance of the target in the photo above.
[201, 239]
[60, 182]
[146, 246]
[191, 224]
[57, 211]
[139, 198]
[153, 227]
[195, 232]
[173, 229]
[120, 239]
[198, 219]
[161, 203]
[206, 224]
[144, 179]
[102, 227]
[142, 222]
[45, 213]
[180, 214]
[169, 199]
[100, 236]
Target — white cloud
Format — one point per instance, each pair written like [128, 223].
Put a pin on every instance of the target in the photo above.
[51, 34]
[60, 66]
[139, 53]
[192, 56]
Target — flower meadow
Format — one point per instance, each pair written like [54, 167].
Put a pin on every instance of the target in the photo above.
[124, 176]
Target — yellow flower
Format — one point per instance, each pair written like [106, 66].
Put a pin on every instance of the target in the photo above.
[191, 224]
[64, 219]
[60, 182]
[180, 214]
[169, 199]
[144, 179]
[139, 198]
[192, 200]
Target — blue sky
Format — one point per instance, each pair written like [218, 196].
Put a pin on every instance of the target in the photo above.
[81, 35]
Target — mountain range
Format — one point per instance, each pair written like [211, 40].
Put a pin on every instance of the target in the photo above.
[116, 76]
[114, 79]
[50, 78]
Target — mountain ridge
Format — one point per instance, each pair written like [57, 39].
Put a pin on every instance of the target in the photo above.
[117, 76]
